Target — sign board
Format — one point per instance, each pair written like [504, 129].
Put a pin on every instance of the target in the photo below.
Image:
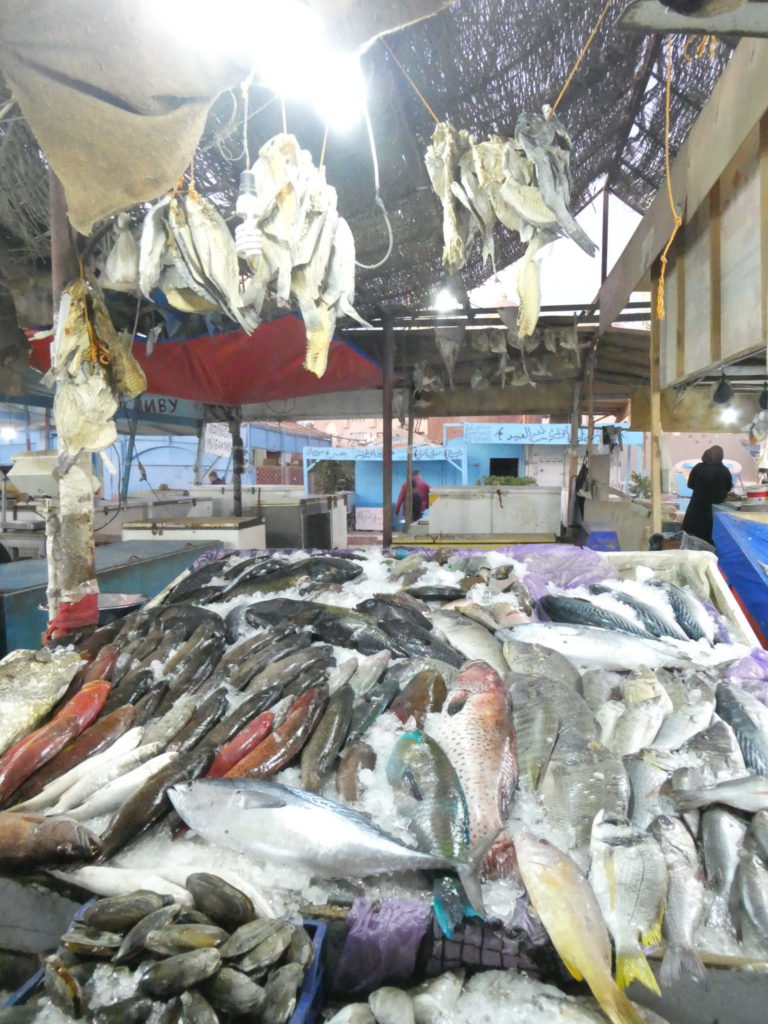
[217, 440]
[369, 518]
[421, 453]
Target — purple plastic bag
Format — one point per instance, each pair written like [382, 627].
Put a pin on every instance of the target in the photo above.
[751, 674]
[560, 565]
[381, 944]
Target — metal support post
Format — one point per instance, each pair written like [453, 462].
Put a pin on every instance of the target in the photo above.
[238, 462]
[388, 367]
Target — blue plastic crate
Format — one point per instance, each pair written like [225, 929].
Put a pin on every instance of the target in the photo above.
[308, 1005]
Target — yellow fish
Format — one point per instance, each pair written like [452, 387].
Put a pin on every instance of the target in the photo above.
[567, 908]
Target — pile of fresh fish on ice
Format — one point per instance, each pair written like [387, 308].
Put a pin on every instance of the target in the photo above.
[205, 957]
[528, 728]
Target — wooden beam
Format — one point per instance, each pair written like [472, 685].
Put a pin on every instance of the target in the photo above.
[655, 400]
[409, 461]
[738, 102]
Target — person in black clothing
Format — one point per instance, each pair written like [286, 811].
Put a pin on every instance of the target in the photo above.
[710, 482]
[214, 478]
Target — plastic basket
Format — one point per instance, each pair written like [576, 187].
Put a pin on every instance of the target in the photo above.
[308, 1005]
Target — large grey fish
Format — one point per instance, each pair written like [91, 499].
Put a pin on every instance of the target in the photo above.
[758, 830]
[582, 778]
[652, 620]
[637, 726]
[678, 727]
[275, 822]
[691, 615]
[31, 682]
[629, 878]
[592, 647]
[748, 718]
[685, 901]
[471, 639]
[369, 671]
[531, 659]
[751, 885]
[716, 751]
[581, 612]
[722, 837]
[647, 771]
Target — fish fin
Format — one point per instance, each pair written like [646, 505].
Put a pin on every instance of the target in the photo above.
[469, 872]
[653, 936]
[573, 971]
[615, 1004]
[501, 859]
[632, 966]
[689, 799]
[680, 962]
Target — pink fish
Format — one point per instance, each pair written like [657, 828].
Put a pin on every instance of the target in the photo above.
[475, 731]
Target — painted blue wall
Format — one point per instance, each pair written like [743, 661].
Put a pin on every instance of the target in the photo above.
[368, 479]
[479, 458]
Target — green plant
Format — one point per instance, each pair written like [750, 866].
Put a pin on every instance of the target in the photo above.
[639, 485]
[506, 481]
[328, 476]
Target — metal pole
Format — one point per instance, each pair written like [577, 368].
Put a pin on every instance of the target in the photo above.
[409, 462]
[238, 463]
[655, 386]
[604, 240]
[47, 430]
[388, 367]
[573, 457]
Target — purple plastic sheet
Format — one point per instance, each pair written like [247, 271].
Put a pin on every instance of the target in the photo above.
[381, 944]
[751, 674]
[560, 565]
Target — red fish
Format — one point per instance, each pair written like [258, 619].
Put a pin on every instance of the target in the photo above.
[241, 744]
[24, 757]
[475, 731]
[103, 664]
[93, 740]
[282, 745]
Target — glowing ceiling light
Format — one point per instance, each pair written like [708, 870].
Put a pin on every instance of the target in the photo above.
[8, 433]
[729, 414]
[445, 301]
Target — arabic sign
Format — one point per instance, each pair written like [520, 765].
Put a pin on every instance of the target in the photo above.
[532, 433]
[421, 453]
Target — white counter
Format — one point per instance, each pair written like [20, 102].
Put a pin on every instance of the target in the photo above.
[494, 510]
[226, 533]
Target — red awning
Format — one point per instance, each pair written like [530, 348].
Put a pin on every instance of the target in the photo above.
[240, 369]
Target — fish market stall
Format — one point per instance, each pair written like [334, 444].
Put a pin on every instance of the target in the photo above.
[495, 510]
[446, 757]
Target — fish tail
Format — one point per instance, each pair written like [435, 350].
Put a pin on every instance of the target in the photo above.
[615, 1004]
[680, 962]
[689, 799]
[469, 872]
[631, 965]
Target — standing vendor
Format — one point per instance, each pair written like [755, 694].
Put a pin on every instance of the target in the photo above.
[710, 482]
[419, 496]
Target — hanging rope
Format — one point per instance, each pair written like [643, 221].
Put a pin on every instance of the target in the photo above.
[246, 91]
[705, 42]
[580, 58]
[678, 220]
[378, 200]
[411, 82]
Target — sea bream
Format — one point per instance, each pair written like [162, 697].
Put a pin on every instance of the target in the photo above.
[273, 822]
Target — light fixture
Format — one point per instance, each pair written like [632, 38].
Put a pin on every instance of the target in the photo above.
[445, 301]
[763, 400]
[8, 433]
[729, 414]
[723, 392]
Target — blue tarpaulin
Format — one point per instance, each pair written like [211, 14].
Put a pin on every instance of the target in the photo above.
[742, 550]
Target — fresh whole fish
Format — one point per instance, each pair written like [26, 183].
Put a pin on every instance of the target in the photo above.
[110, 881]
[568, 909]
[103, 773]
[653, 622]
[749, 793]
[391, 1006]
[685, 901]
[592, 647]
[272, 822]
[690, 613]
[722, 837]
[582, 778]
[322, 748]
[758, 831]
[97, 738]
[629, 878]
[200, 725]
[375, 702]
[475, 731]
[396, 608]
[162, 729]
[680, 726]
[150, 801]
[471, 639]
[748, 718]
[637, 726]
[369, 671]
[580, 612]
[30, 684]
[414, 642]
[538, 661]
[425, 693]
[249, 737]
[110, 797]
[29, 840]
[48, 796]
[647, 772]
[717, 751]
[752, 887]
[352, 760]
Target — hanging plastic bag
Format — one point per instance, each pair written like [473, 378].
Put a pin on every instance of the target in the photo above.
[121, 267]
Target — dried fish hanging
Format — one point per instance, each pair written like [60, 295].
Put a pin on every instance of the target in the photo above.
[293, 236]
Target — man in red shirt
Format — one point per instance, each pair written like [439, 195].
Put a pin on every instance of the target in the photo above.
[420, 493]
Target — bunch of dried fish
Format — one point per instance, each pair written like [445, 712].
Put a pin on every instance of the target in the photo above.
[303, 245]
[188, 252]
[92, 366]
[131, 955]
[524, 183]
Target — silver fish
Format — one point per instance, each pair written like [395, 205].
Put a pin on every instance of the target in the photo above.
[758, 830]
[638, 726]
[647, 771]
[722, 837]
[109, 881]
[104, 773]
[540, 707]
[114, 793]
[583, 778]
[272, 822]
[752, 887]
[31, 682]
[369, 671]
[591, 647]
[629, 878]
[748, 718]
[685, 901]
[746, 794]
[598, 686]
[680, 726]
[471, 639]
[717, 751]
